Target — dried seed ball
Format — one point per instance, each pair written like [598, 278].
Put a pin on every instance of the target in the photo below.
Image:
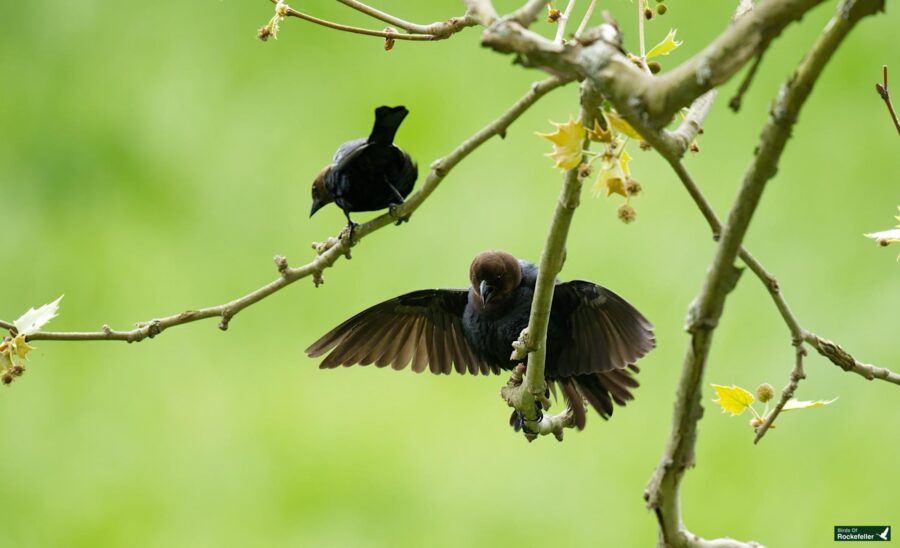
[626, 213]
[765, 392]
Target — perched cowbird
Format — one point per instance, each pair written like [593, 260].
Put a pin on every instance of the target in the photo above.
[593, 341]
[368, 174]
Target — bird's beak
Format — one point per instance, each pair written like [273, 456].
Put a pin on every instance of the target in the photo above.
[486, 292]
[316, 206]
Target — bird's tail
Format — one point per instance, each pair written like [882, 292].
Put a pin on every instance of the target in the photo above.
[600, 390]
[387, 120]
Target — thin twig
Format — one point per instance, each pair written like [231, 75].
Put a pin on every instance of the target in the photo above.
[357, 30]
[291, 12]
[328, 252]
[735, 102]
[797, 375]
[528, 13]
[563, 19]
[586, 19]
[439, 29]
[845, 361]
[640, 8]
[886, 96]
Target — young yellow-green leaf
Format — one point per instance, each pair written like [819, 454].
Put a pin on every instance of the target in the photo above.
[619, 124]
[606, 171]
[667, 46]
[567, 142]
[599, 134]
[32, 321]
[623, 163]
[615, 185]
[733, 399]
[21, 346]
[793, 405]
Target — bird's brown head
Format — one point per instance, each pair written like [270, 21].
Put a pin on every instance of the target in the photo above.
[494, 276]
[320, 195]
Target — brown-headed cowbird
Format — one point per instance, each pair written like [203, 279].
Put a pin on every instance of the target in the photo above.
[368, 174]
[593, 341]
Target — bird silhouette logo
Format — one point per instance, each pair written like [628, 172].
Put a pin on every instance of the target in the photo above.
[885, 534]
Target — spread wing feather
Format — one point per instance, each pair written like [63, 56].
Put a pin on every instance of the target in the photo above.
[423, 328]
[606, 333]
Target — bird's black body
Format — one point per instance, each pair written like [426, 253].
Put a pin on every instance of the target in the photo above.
[369, 173]
[594, 336]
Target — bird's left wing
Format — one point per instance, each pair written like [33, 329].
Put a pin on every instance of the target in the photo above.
[606, 332]
[423, 327]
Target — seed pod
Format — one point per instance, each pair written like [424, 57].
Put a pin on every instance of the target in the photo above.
[627, 213]
[765, 392]
[654, 67]
[661, 8]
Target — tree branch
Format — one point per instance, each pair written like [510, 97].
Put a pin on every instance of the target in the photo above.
[329, 251]
[662, 493]
[532, 341]
[482, 10]
[657, 99]
[830, 350]
[886, 97]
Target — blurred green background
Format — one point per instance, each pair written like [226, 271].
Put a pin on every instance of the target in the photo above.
[155, 156]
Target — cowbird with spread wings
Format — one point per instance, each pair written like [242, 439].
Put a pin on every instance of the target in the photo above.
[593, 341]
[369, 173]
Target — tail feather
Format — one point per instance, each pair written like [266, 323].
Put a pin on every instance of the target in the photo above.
[602, 390]
[387, 121]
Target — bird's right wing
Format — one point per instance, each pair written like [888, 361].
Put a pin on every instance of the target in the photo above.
[606, 332]
[423, 327]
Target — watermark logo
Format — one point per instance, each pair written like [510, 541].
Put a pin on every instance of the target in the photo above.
[875, 533]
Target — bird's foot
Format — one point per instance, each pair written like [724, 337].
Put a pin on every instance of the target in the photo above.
[399, 219]
[347, 233]
[539, 415]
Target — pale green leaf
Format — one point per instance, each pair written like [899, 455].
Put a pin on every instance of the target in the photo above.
[793, 405]
[667, 46]
[32, 321]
